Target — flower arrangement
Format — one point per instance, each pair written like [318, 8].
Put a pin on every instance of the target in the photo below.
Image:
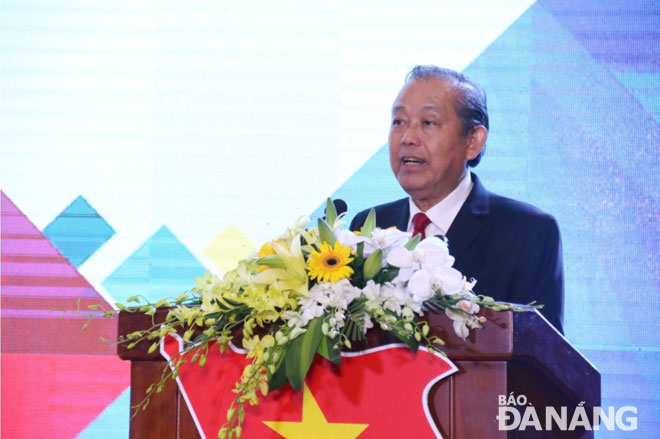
[314, 290]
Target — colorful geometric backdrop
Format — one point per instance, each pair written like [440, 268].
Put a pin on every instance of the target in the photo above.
[144, 143]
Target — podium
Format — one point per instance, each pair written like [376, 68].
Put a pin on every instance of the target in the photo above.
[516, 353]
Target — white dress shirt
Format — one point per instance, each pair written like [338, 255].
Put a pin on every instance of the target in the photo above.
[443, 213]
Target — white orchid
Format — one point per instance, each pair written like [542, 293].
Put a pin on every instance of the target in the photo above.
[464, 317]
[431, 252]
[427, 269]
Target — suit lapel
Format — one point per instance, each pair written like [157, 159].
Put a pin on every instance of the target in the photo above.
[403, 215]
[469, 222]
[396, 214]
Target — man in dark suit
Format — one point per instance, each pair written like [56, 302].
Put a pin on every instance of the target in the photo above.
[439, 129]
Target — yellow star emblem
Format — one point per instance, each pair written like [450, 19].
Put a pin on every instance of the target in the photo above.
[314, 424]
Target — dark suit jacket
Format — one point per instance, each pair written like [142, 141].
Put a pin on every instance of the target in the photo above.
[512, 249]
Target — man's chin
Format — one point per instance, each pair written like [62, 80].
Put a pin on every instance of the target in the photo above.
[413, 187]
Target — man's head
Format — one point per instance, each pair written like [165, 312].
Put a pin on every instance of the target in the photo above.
[439, 126]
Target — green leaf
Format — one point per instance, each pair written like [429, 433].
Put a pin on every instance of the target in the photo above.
[360, 249]
[369, 224]
[133, 299]
[330, 212]
[278, 379]
[301, 352]
[410, 341]
[373, 264]
[387, 274]
[272, 261]
[413, 242]
[328, 349]
[325, 232]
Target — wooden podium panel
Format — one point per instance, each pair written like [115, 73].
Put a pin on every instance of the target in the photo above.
[514, 352]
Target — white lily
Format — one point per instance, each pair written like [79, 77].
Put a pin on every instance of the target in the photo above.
[349, 238]
[294, 277]
[385, 239]
[381, 239]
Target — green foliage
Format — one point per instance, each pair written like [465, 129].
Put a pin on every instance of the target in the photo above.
[413, 242]
[301, 351]
[356, 315]
[369, 224]
[330, 349]
[373, 264]
[326, 233]
[330, 212]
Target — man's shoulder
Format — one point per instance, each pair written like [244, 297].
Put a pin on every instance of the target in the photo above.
[518, 212]
[384, 212]
[392, 206]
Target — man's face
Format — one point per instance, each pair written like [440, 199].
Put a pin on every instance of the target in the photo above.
[428, 155]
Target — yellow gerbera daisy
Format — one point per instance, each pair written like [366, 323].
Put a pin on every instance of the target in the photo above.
[330, 264]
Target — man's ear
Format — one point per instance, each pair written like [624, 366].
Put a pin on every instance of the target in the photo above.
[476, 141]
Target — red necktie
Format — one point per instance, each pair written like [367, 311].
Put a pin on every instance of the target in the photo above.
[420, 221]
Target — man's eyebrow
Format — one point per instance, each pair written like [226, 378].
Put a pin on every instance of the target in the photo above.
[431, 108]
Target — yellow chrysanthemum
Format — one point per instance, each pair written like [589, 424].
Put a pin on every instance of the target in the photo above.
[330, 264]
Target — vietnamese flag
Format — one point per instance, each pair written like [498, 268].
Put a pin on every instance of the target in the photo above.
[381, 392]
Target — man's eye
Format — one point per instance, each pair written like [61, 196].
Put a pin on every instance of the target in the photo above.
[397, 122]
[428, 122]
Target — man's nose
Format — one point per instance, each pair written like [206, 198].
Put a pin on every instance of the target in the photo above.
[410, 136]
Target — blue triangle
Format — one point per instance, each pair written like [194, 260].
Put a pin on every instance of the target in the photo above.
[78, 231]
[162, 267]
[113, 421]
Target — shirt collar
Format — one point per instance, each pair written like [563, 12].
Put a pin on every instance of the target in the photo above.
[444, 212]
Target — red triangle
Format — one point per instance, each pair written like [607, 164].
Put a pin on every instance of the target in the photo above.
[56, 396]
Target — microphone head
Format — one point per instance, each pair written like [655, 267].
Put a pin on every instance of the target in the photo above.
[340, 206]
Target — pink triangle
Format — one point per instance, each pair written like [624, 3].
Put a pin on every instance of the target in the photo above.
[37, 279]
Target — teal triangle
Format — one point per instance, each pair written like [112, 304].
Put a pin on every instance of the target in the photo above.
[162, 267]
[112, 422]
[78, 231]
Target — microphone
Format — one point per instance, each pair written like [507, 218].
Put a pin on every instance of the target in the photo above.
[340, 206]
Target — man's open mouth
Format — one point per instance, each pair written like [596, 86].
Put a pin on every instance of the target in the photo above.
[412, 161]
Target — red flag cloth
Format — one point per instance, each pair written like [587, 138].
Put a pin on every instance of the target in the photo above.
[378, 393]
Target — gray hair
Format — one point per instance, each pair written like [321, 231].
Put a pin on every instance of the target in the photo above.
[470, 99]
